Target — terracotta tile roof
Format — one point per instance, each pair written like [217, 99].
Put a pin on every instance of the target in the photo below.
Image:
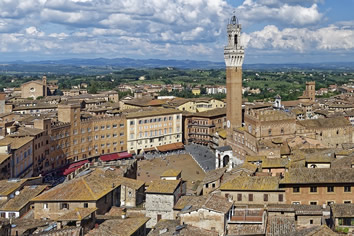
[255, 158]
[163, 186]
[26, 131]
[315, 176]
[334, 122]
[119, 227]
[280, 225]
[4, 157]
[77, 214]
[275, 163]
[344, 162]
[171, 173]
[16, 143]
[21, 200]
[8, 186]
[151, 112]
[132, 183]
[90, 187]
[320, 230]
[209, 113]
[222, 133]
[343, 210]
[217, 203]
[319, 159]
[214, 175]
[172, 227]
[256, 183]
[194, 202]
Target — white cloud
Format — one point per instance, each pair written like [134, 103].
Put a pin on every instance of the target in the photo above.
[301, 39]
[164, 28]
[253, 11]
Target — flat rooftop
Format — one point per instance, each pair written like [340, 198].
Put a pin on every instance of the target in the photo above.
[191, 172]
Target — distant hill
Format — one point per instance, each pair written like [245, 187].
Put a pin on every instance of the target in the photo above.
[104, 65]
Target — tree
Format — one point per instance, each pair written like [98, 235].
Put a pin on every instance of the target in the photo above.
[93, 88]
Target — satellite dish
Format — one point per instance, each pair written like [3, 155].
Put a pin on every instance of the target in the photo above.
[17, 193]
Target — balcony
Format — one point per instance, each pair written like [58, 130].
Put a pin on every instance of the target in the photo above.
[247, 216]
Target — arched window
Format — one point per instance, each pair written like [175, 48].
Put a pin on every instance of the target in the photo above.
[270, 132]
[235, 38]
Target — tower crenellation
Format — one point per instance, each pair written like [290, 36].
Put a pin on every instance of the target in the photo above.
[234, 51]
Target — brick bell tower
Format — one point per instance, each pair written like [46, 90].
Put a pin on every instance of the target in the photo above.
[234, 55]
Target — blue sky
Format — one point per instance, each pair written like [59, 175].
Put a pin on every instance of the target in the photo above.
[274, 31]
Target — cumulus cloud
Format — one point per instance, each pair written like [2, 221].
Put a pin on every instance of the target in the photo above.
[163, 28]
[286, 13]
[301, 39]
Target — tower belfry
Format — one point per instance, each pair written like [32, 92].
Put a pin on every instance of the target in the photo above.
[234, 56]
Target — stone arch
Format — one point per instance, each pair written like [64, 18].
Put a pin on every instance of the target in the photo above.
[226, 160]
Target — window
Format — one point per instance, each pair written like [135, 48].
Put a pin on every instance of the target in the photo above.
[114, 126]
[311, 222]
[132, 122]
[330, 189]
[296, 189]
[250, 197]
[45, 206]
[85, 205]
[103, 127]
[347, 202]
[313, 189]
[64, 206]
[347, 189]
[313, 203]
[270, 132]
[330, 203]
[239, 197]
[280, 197]
[265, 197]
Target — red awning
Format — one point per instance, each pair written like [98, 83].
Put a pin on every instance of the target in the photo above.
[170, 147]
[115, 156]
[74, 166]
[80, 163]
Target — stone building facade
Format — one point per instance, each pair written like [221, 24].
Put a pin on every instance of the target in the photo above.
[332, 132]
[152, 128]
[161, 197]
[254, 190]
[200, 127]
[34, 89]
[318, 186]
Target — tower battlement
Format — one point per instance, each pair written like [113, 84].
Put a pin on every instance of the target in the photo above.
[234, 51]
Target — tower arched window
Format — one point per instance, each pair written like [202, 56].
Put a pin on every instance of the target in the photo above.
[270, 132]
[235, 39]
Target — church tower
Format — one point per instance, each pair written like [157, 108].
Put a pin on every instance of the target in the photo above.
[44, 82]
[234, 55]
